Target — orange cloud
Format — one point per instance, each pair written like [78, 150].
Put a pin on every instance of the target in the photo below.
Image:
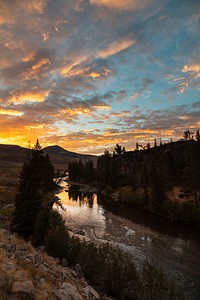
[122, 5]
[77, 111]
[41, 63]
[194, 68]
[10, 10]
[11, 112]
[29, 96]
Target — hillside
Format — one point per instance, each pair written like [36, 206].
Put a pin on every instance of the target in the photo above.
[61, 157]
[29, 273]
[12, 158]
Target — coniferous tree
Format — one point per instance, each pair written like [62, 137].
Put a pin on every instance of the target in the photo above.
[197, 136]
[36, 179]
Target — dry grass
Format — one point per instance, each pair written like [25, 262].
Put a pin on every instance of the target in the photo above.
[176, 194]
[20, 269]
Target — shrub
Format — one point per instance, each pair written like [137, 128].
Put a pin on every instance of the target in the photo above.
[155, 284]
[56, 239]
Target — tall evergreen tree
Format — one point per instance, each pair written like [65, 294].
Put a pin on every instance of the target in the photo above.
[36, 179]
[197, 136]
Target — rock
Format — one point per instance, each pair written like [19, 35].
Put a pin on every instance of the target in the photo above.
[24, 290]
[64, 262]
[90, 293]
[10, 247]
[66, 272]
[21, 249]
[35, 259]
[57, 259]
[38, 259]
[81, 232]
[67, 291]
[79, 271]
[4, 231]
[46, 265]
[58, 295]
[41, 248]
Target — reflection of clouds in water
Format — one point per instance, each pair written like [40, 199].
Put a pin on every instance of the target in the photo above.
[81, 213]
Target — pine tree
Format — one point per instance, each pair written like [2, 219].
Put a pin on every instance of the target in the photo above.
[197, 136]
[36, 179]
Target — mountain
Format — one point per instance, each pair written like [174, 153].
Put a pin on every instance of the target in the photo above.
[61, 157]
[12, 153]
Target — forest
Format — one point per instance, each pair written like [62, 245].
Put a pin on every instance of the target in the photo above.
[149, 178]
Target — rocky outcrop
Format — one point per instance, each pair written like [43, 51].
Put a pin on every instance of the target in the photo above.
[27, 273]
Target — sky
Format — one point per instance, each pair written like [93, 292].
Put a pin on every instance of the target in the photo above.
[88, 74]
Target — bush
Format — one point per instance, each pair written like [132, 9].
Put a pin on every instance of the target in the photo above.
[185, 212]
[109, 190]
[155, 284]
[56, 239]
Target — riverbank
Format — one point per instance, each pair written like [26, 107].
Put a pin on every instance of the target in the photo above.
[176, 207]
[172, 245]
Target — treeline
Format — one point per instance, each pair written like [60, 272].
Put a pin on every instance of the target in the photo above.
[82, 172]
[152, 173]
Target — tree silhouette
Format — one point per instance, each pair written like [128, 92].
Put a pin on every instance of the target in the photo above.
[188, 135]
[118, 150]
[197, 136]
[36, 179]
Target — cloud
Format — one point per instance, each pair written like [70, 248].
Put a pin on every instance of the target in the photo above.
[70, 67]
[97, 69]
[115, 47]
[143, 91]
[11, 10]
[10, 112]
[28, 96]
[194, 69]
[122, 5]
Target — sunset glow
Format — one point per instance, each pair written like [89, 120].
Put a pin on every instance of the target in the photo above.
[87, 74]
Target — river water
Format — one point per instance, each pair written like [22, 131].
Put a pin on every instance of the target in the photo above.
[174, 247]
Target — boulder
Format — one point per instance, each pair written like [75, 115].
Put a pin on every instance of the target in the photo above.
[35, 259]
[64, 262]
[79, 271]
[24, 290]
[90, 293]
[67, 291]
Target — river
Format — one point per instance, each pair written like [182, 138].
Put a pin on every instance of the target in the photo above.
[173, 246]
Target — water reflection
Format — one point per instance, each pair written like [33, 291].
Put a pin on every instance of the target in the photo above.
[88, 198]
[80, 209]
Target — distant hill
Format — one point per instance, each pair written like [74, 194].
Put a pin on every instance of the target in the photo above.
[59, 156]
[12, 153]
